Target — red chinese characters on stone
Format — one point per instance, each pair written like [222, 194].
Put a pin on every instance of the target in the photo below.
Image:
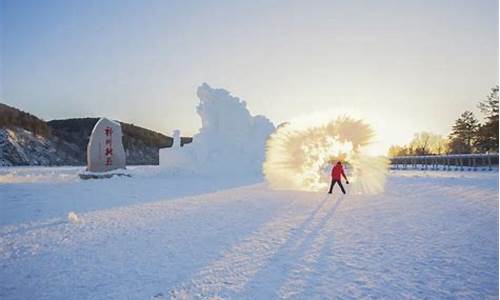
[108, 131]
[108, 150]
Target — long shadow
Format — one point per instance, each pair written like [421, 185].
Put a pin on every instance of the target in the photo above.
[290, 253]
[240, 258]
[311, 238]
[320, 264]
[312, 215]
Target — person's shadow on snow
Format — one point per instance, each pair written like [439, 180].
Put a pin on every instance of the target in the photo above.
[293, 257]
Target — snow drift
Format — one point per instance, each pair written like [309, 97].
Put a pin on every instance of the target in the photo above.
[300, 154]
[230, 140]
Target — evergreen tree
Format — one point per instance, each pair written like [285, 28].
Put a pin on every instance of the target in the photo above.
[487, 135]
[463, 135]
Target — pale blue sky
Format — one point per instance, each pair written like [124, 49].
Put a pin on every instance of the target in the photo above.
[406, 65]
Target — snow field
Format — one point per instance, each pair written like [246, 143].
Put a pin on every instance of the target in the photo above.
[429, 235]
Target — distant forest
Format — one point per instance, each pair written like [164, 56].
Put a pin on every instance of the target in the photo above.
[13, 117]
[468, 134]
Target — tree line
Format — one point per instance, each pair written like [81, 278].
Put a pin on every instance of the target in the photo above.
[11, 117]
[468, 134]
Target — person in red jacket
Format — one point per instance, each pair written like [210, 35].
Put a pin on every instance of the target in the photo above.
[337, 173]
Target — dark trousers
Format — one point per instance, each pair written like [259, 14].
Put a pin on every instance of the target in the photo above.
[333, 183]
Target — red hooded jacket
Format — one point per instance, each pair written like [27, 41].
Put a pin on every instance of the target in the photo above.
[338, 172]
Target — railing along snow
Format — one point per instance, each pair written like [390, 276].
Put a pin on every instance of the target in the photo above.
[447, 162]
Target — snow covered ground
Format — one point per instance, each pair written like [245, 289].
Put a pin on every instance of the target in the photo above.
[154, 236]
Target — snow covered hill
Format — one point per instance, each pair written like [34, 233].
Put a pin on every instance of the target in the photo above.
[19, 146]
[429, 235]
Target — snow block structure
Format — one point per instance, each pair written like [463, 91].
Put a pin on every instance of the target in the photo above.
[174, 158]
[105, 152]
[230, 140]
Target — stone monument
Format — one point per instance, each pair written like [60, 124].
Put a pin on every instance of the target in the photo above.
[105, 150]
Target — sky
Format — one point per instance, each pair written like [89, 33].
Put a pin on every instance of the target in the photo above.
[404, 66]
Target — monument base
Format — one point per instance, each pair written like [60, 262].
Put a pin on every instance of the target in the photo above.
[100, 175]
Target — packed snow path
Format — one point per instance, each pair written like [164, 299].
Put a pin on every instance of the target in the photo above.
[430, 235]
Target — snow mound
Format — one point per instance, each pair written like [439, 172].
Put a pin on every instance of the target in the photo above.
[73, 217]
[300, 155]
[230, 140]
